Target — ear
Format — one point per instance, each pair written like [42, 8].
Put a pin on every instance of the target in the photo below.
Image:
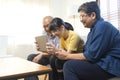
[93, 15]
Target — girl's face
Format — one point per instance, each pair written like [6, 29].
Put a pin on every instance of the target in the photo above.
[59, 32]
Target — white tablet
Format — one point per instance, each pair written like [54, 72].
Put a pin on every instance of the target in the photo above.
[42, 40]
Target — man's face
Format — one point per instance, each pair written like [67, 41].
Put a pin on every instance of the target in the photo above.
[87, 20]
[46, 23]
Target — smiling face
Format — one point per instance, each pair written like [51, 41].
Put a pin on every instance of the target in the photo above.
[89, 13]
[57, 27]
[87, 20]
[59, 32]
[46, 22]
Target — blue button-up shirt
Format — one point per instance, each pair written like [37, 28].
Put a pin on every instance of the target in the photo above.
[103, 47]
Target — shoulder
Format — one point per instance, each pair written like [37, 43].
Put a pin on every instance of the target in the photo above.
[73, 36]
[72, 33]
[102, 26]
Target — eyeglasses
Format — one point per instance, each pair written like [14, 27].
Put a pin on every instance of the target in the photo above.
[82, 16]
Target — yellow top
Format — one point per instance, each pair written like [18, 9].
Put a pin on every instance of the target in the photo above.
[72, 43]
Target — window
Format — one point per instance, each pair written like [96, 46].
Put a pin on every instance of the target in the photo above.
[110, 11]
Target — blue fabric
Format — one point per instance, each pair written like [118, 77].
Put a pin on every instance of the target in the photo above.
[84, 70]
[103, 47]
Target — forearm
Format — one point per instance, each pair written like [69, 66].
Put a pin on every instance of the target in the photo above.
[44, 54]
[78, 56]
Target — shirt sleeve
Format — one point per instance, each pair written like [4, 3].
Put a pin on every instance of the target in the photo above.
[71, 44]
[99, 42]
[57, 42]
[74, 43]
[61, 44]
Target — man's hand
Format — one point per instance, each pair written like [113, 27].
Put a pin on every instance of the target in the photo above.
[51, 49]
[37, 46]
[37, 58]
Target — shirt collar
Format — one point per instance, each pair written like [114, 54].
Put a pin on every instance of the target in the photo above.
[96, 22]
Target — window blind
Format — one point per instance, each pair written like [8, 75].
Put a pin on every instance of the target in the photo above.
[110, 11]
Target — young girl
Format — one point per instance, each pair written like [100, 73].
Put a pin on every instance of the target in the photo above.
[69, 41]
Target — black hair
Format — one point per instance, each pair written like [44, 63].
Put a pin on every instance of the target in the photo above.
[90, 7]
[55, 24]
[68, 26]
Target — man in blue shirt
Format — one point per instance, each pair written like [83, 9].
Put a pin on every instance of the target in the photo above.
[100, 59]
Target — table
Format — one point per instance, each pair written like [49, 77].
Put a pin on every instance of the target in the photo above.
[15, 67]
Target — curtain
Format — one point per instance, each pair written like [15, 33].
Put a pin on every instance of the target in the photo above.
[110, 11]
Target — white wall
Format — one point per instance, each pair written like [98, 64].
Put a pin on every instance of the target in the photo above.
[3, 45]
[67, 9]
[21, 21]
